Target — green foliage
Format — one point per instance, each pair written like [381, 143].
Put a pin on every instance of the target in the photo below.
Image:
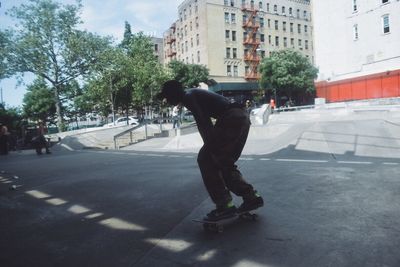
[190, 75]
[142, 74]
[49, 45]
[5, 47]
[11, 117]
[39, 103]
[289, 73]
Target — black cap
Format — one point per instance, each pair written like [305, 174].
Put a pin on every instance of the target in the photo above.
[169, 89]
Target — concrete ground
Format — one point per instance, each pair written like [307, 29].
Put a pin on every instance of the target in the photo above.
[330, 181]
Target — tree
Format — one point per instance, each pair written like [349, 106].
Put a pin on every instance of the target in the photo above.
[143, 74]
[39, 102]
[5, 46]
[190, 75]
[288, 73]
[11, 117]
[48, 45]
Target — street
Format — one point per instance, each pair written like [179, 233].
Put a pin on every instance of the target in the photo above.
[134, 208]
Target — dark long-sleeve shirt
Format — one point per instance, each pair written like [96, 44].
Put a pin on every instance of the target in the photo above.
[205, 105]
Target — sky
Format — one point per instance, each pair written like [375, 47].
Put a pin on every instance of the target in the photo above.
[153, 17]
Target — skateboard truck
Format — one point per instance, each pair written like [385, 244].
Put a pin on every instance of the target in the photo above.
[218, 226]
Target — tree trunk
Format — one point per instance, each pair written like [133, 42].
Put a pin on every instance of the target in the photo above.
[60, 120]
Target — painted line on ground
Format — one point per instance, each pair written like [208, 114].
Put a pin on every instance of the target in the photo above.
[354, 162]
[390, 163]
[247, 158]
[302, 160]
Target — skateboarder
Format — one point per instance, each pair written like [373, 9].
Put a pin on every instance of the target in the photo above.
[223, 145]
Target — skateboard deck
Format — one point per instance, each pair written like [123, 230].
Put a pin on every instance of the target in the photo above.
[218, 226]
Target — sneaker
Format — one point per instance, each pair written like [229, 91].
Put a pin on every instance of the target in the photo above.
[252, 203]
[221, 213]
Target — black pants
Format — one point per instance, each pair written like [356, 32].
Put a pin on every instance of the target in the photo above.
[39, 143]
[217, 163]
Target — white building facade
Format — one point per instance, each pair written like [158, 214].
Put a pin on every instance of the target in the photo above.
[354, 41]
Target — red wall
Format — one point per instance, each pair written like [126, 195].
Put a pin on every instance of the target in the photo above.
[380, 85]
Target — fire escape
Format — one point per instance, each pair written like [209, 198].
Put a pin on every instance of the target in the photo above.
[251, 42]
[171, 39]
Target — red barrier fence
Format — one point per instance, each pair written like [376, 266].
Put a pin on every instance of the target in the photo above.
[380, 85]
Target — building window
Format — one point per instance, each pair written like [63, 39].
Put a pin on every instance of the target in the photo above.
[246, 70]
[269, 39]
[386, 24]
[283, 10]
[260, 5]
[198, 56]
[229, 70]
[228, 52]
[290, 11]
[191, 42]
[262, 38]
[226, 17]
[355, 32]
[276, 25]
[291, 27]
[275, 8]
[354, 5]
[197, 22]
[267, 7]
[385, 1]
[276, 41]
[233, 18]
[234, 53]
[292, 42]
[234, 36]
[235, 71]
[299, 41]
[225, 2]
[198, 39]
[306, 44]
[298, 28]
[186, 46]
[232, 2]
[305, 28]
[261, 22]
[298, 13]
[284, 26]
[156, 48]
[227, 34]
[269, 23]
[262, 54]
[305, 14]
[284, 41]
[196, 8]
[191, 26]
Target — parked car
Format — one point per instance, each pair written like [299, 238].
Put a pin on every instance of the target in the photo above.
[123, 122]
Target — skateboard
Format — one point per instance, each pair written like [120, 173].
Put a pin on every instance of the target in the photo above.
[218, 226]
